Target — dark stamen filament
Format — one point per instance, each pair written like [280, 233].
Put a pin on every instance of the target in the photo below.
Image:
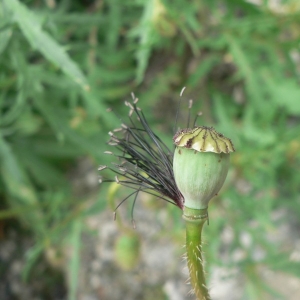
[196, 118]
[189, 115]
[145, 162]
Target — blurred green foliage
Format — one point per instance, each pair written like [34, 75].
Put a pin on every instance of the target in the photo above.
[64, 62]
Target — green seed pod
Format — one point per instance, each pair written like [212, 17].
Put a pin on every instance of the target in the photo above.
[201, 162]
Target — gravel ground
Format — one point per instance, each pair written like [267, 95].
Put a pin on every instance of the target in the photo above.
[154, 269]
[119, 262]
[44, 282]
[160, 272]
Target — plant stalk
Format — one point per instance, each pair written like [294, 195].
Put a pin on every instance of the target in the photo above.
[195, 219]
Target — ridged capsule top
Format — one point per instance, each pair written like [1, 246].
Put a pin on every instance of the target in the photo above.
[203, 139]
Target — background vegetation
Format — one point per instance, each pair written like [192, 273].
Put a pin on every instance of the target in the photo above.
[64, 62]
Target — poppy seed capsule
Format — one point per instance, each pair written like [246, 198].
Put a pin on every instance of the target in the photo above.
[200, 164]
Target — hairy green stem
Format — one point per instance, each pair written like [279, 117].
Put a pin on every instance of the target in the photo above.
[195, 219]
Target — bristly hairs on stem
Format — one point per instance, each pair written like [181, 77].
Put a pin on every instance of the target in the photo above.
[144, 161]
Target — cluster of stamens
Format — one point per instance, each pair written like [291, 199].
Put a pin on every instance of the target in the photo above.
[144, 161]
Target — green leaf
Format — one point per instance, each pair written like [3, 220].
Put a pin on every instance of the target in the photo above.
[285, 94]
[63, 130]
[146, 34]
[246, 70]
[32, 255]
[75, 259]
[16, 182]
[5, 36]
[19, 189]
[43, 42]
[39, 168]
[282, 262]
[202, 70]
